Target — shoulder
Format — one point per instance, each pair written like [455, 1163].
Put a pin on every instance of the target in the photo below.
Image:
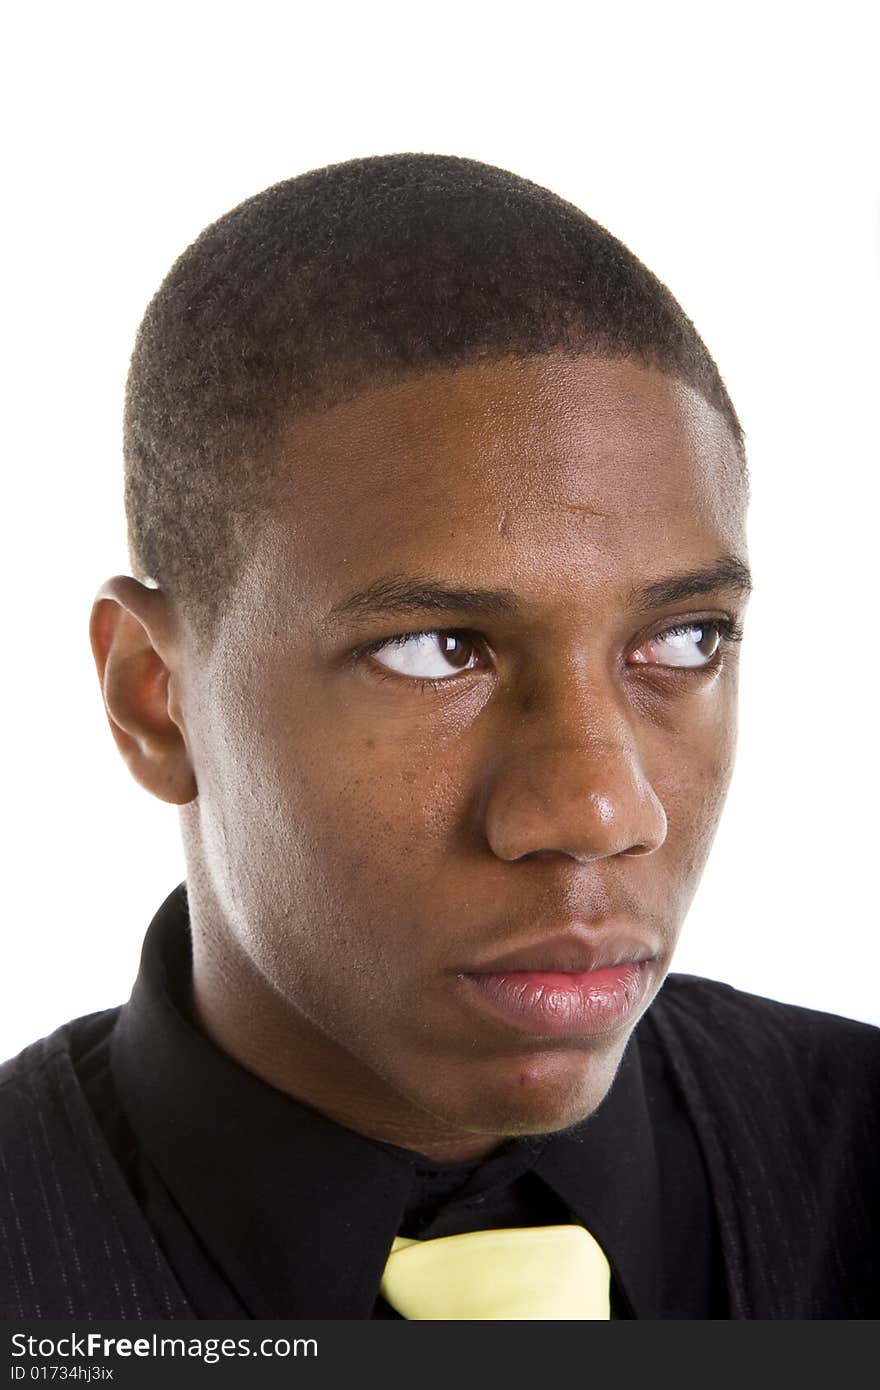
[759, 1045]
[711, 1005]
[693, 993]
[76, 1244]
[44, 1111]
[783, 1100]
[49, 1156]
[26, 1077]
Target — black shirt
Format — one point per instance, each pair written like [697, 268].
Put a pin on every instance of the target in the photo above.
[265, 1208]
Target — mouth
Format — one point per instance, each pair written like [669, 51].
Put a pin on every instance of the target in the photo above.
[565, 987]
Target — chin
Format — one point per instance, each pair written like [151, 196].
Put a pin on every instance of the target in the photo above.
[539, 1093]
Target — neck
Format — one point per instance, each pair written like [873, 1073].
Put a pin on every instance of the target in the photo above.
[245, 1018]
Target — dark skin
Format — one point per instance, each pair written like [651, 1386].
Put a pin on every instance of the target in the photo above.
[357, 839]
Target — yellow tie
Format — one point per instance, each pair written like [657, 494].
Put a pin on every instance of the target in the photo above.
[524, 1272]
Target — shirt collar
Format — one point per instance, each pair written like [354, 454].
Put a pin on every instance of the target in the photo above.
[300, 1211]
[606, 1169]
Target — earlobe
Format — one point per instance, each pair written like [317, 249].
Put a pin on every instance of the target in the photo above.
[136, 686]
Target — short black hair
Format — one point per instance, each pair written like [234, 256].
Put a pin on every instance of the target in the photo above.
[357, 274]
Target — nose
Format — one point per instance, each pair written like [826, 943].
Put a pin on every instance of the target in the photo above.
[569, 780]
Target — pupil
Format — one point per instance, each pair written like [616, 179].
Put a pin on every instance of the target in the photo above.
[709, 640]
[449, 641]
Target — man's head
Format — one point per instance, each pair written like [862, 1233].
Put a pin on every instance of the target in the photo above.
[360, 391]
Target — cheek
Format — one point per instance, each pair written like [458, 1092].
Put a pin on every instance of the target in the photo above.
[694, 803]
[328, 843]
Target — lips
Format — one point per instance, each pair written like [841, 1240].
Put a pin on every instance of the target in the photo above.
[572, 985]
[571, 952]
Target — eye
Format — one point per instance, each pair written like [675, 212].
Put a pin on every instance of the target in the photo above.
[426, 656]
[689, 645]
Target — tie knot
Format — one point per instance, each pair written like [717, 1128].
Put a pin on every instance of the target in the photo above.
[522, 1272]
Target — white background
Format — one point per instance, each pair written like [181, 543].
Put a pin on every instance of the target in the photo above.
[733, 148]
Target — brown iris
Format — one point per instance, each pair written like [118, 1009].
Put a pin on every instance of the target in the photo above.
[457, 648]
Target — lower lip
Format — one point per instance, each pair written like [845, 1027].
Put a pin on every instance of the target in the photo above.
[553, 1004]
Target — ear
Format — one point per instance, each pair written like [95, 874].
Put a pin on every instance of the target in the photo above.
[134, 651]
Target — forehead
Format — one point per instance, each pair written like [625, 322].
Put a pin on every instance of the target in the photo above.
[610, 464]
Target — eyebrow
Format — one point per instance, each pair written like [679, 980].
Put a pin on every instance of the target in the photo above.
[402, 594]
[728, 572]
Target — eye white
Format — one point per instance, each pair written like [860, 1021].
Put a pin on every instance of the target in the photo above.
[693, 645]
[420, 654]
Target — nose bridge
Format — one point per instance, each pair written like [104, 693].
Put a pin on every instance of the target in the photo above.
[569, 776]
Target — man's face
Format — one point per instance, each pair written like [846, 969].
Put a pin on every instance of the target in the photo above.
[540, 776]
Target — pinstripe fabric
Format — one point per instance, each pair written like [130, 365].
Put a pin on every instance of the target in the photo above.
[784, 1101]
[75, 1244]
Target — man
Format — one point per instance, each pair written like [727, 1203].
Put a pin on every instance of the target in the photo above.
[437, 503]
